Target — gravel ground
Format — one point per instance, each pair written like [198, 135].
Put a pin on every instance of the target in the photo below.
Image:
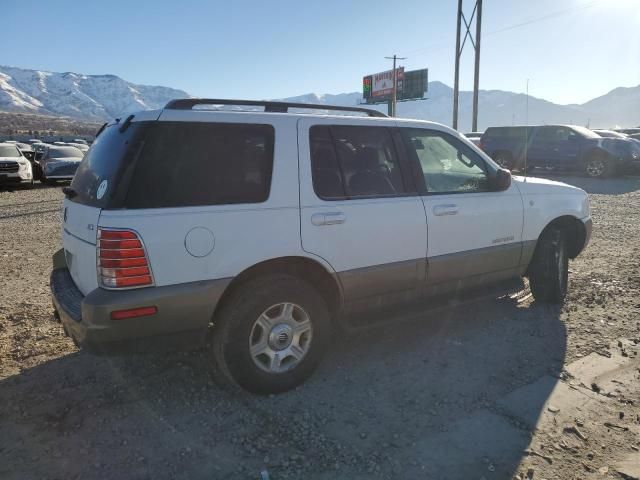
[425, 398]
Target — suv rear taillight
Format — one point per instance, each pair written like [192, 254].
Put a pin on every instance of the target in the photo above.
[122, 260]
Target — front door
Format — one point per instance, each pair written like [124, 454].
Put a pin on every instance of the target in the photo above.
[359, 208]
[474, 233]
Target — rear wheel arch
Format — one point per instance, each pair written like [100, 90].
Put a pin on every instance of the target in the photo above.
[309, 270]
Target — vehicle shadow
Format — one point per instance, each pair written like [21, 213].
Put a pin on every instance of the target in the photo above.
[598, 186]
[410, 399]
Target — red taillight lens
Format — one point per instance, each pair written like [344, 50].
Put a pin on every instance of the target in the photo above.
[122, 260]
[120, 243]
[133, 313]
[117, 234]
[122, 253]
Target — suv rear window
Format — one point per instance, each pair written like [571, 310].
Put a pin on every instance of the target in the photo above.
[176, 164]
[110, 151]
[188, 164]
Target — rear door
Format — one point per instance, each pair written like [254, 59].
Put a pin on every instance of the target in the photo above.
[359, 207]
[539, 152]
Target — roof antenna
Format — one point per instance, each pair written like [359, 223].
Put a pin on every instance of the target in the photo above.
[526, 132]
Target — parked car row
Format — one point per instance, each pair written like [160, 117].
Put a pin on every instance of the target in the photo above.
[568, 148]
[23, 163]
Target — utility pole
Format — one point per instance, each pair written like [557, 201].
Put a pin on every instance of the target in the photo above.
[394, 95]
[476, 70]
[475, 42]
[456, 80]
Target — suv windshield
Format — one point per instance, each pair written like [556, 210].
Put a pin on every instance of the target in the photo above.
[64, 152]
[585, 132]
[9, 151]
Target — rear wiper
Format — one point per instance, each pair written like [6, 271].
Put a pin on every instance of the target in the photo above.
[69, 192]
[126, 123]
[104, 125]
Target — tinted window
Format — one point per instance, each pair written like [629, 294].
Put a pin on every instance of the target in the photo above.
[64, 152]
[507, 132]
[9, 151]
[111, 152]
[448, 165]
[353, 162]
[187, 164]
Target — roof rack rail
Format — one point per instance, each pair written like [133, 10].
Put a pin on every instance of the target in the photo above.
[273, 107]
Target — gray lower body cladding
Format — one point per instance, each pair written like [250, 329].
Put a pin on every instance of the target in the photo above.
[400, 281]
[181, 308]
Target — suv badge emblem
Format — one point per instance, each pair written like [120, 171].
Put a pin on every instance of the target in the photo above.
[102, 189]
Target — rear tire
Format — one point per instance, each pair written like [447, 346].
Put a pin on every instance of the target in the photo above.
[275, 316]
[549, 269]
[598, 165]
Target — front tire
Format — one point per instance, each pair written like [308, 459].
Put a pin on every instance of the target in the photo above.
[270, 334]
[549, 270]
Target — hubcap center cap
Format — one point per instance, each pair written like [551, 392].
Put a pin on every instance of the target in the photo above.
[280, 336]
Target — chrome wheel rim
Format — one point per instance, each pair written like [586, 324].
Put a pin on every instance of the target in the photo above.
[280, 337]
[595, 167]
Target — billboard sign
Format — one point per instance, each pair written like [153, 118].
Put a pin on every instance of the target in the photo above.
[379, 87]
[382, 84]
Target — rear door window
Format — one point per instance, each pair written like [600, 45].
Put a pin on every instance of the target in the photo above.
[354, 162]
[190, 164]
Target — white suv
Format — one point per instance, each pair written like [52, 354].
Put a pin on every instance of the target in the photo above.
[270, 228]
[15, 168]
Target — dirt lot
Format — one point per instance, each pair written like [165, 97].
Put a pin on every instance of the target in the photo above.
[499, 390]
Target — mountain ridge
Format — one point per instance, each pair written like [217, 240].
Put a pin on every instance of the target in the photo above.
[104, 96]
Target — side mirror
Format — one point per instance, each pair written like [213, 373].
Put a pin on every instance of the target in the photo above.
[502, 180]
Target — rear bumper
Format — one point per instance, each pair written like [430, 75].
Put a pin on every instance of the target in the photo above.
[183, 311]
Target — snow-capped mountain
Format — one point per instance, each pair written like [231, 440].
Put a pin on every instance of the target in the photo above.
[90, 97]
[620, 107]
[101, 97]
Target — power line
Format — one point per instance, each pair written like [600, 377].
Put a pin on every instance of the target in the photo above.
[545, 17]
[443, 45]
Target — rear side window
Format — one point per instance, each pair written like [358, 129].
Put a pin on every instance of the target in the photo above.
[96, 180]
[506, 132]
[354, 162]
[188, 164]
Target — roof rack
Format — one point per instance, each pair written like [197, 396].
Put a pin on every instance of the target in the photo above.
[272, 107]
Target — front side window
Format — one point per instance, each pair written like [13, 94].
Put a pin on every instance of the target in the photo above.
[447, 164]
[350, 162]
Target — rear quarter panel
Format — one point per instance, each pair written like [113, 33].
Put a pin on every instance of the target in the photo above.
[244, 234]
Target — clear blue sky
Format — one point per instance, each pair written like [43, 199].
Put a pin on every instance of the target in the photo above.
[571, 50]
